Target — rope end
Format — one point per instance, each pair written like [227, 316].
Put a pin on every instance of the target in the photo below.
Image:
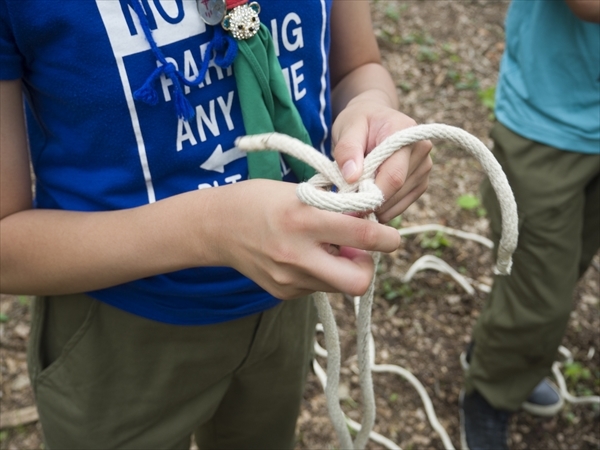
[503, 267]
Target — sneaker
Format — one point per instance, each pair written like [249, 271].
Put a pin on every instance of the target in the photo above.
[545, 400]
[482, 427]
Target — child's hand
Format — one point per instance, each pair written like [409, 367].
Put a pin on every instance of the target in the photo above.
[292, 249]
[363, 125]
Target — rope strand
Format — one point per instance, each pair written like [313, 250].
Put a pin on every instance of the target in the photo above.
[365, 196]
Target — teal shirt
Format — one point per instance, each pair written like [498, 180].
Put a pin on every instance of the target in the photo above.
[549, 84]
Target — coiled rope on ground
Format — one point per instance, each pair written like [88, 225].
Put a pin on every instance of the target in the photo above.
[364, 196]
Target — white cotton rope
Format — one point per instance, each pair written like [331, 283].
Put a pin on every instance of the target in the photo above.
[451, 231]
[365, 196]
[433, 262]
[408, 376]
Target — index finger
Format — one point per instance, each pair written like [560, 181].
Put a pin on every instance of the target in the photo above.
[349, 231]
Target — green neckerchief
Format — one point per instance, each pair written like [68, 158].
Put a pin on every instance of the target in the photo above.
[267, 105]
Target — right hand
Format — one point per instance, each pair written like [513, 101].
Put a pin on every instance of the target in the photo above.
[267, 234]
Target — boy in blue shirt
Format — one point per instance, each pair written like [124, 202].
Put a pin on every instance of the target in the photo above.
[160, 266]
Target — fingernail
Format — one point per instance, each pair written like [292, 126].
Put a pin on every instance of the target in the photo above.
[348, 169]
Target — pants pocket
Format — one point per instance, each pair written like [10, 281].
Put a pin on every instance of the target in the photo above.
[57, 325]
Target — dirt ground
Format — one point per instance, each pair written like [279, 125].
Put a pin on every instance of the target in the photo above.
[444, 56]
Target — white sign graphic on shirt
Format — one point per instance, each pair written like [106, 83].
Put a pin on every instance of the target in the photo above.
[180, 34]
[219, 158]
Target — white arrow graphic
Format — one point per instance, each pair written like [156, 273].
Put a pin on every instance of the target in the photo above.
[219, 158]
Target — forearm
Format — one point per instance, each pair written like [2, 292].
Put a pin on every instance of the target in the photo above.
[587, 10]
[57, 252]
[371, 82]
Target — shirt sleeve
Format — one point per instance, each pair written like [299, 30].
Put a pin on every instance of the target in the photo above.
[11, 60]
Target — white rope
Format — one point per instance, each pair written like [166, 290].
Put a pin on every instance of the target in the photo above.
[451, 231]
[433, 262]
[365, 196]
[407, 375]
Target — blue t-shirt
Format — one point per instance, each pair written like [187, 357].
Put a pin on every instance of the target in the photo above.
[95, 148]
[549, 85]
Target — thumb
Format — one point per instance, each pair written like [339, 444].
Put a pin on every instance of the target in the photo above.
[349, 153]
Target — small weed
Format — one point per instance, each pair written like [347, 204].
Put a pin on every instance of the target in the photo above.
[488, 99]
[466, 82]
[352, 431]
[3, 318]
[3, 435]
[583, 391]
[396, 222]
[462, 81]
[575, 372]
[392, 11]
[454, 76]
[418, 38]
[393, 397]
[450, 50]
[426, 54]
[351, 402]
[470, 202]
[435, 242]
[392, 38]
[24, 300]
[392, 291]
[570, 417]
[406, 87]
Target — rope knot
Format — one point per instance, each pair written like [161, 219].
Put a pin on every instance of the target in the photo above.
[364, 196]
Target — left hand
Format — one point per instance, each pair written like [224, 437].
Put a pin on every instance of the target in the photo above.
[403, 177]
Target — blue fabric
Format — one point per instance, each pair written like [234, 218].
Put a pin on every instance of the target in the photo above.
[549, 85]
[221, 41]
[95, 148]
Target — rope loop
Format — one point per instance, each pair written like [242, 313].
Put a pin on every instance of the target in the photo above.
[328, 190]
[364, 196]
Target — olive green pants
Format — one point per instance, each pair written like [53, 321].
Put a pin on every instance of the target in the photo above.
[524, 319]
[107, 379]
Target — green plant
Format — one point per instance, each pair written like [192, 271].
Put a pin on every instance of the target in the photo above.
[392, 291]
[393, 10]
[570, 417]
[470, 202]
[396, 222]
[427, 54]
[468, 81]
[406, 87]
[488, 99]
[3, 318]
[450, 50]
[454, 76]
[391, 37]
[575, 372]
[418, 38]
[435, 241]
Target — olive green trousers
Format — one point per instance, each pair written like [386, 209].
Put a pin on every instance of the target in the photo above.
[524, 319]
[107, 379]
